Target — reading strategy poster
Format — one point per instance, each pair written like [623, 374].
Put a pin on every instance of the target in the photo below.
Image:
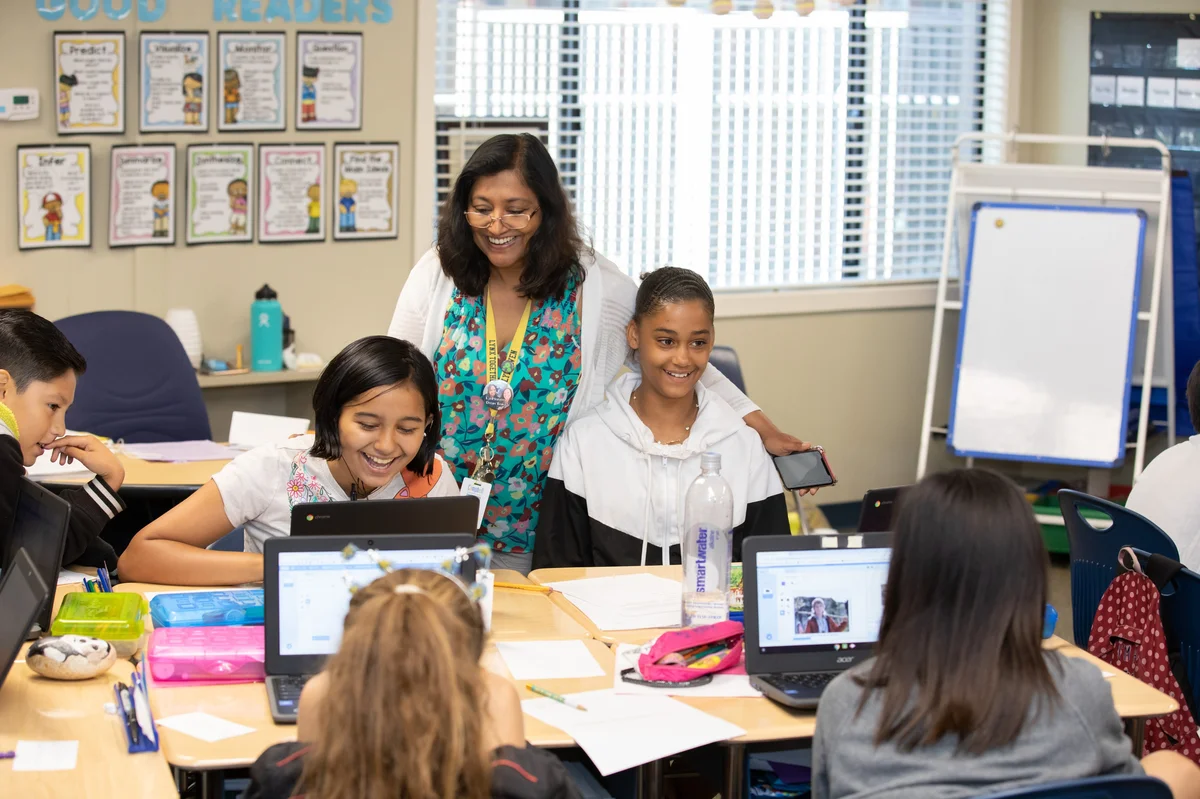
[252, 86]
[54, 197]
[220, 208]
[293, 196]
[141, 209]
[367, 186]
[174, 75]
[329, 71]
[89, 79]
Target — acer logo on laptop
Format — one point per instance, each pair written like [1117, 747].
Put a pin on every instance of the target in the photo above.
[847, 659]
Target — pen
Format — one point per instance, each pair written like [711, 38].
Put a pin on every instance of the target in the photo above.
[105, 585]
[7, 755]
[135, 734]
[540, 589]
[554, 696]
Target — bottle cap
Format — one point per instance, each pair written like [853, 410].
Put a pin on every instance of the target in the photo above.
[266, 293]
[711, 460]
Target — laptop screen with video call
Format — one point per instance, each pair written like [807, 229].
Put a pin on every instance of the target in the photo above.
[820, 600]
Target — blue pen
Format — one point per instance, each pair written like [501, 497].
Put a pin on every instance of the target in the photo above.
[105, 585]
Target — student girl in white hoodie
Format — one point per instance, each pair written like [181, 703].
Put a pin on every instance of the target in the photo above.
[616, 488]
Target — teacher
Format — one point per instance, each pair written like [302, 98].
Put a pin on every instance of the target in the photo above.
[510, 266]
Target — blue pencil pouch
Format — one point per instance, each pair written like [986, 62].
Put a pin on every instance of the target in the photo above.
[208, 608]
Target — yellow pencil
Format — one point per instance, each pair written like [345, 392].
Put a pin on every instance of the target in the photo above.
[539, 589]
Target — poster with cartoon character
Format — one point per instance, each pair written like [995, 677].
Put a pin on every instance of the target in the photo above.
[292, 190]
[89, 80]
[329, 81]
[174, 81]
[141, 207]
[220, 205]
[251, 69]
[54, 197]
[367, 182]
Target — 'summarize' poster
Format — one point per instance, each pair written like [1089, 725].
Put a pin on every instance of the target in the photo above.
[141, 208]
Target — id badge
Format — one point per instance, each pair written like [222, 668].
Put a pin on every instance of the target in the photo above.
[481, 491]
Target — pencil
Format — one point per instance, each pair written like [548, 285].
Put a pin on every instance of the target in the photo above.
[539, 589]
[554, 696]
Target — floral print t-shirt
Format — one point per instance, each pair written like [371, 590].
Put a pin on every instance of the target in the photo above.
[544, 385]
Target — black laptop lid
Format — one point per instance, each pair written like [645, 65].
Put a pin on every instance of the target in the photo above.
[22, 595]
[422, 516]
[307, 592]
[813, 603]
[40, 522]
[879, 509]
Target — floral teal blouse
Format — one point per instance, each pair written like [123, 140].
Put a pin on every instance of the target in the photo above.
[544, 385]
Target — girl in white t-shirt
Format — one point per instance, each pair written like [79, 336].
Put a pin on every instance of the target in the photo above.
[377, 417]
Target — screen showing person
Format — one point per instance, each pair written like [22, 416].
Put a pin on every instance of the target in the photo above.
[822, 615]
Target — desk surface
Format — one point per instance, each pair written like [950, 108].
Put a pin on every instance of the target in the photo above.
[149, 474]
[219, 380]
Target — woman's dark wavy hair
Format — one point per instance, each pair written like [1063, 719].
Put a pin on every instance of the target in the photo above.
[554, 250]
[375, 362]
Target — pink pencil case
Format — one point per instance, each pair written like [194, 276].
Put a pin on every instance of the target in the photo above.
[725, 636]
[206, 653]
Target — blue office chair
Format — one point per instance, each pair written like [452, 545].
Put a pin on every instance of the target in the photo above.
[1118, 787]
[139, 385]
[1094, 552]
[1180, 611]
[726, 359]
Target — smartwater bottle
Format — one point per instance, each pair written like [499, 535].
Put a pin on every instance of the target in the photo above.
[266, 331]
[707, 545]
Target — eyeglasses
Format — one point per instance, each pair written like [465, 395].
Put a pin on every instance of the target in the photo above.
[510, 221]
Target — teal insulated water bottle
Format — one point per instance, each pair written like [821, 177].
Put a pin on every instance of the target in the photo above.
[266, 331]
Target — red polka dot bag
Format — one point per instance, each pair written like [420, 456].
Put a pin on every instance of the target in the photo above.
[1127, 633]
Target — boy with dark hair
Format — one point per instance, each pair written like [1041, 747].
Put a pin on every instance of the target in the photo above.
[38, 373]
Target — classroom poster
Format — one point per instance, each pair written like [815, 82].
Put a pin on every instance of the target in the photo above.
[251, 70]
[89, 81]
[367, 188]
[291, 184]
[220, 204]
[141, 208]
[174, 81]
[329, 86]
[54, 197]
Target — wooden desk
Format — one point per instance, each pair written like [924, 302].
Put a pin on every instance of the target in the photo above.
[147, 474]
[33, 708]
[636, 637]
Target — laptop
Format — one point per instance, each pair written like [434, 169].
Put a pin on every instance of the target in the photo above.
[878, 509]
[813, 608]
[387, 516]
[40, 521]
[306, 591]
[22, 595]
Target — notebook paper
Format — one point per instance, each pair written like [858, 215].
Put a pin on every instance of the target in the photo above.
[627, 601]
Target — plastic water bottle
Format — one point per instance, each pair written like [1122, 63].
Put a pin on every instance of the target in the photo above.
[266, 331]
[707, 545]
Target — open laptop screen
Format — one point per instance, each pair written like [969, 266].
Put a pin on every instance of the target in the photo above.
[314, 593]
[820, 600]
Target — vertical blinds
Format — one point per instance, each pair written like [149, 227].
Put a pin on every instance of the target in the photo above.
[762, 153]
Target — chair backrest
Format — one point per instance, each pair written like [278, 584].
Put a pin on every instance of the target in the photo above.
[1118, 787]
[726, 359]
[1180, 611]
[139, 385]
[1093, 552]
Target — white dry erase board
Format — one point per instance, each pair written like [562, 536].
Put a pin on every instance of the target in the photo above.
[1046, 333]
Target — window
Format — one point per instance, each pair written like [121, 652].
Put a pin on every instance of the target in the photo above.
[762, 153]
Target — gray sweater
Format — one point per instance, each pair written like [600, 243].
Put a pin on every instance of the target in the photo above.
[1081, 737]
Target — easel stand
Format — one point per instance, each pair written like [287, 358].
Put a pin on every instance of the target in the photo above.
[1148, 190]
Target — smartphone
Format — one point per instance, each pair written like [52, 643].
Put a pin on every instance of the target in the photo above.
[805, 470]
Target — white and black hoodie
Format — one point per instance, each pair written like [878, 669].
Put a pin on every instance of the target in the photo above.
[92, 506]
[614, 497]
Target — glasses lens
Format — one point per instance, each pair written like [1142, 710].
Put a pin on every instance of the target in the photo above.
[515, 221]
[476, 219]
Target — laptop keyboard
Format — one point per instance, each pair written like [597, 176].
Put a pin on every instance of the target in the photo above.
[287, 691]
[809, 680]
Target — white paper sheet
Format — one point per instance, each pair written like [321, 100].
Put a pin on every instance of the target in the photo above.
[1131, 90]
[722, 685]
[548, 660]
[43, 469]
[1160, 92]
[204, 726]
[46, 755]
[68, 577]
[1103, 90]
[627, 601]
[1187, 54]
[181, 451]
[249, 430]
[620, 732]
[1187, 93]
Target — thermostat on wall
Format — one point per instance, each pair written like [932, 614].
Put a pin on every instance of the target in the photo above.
[17, 105]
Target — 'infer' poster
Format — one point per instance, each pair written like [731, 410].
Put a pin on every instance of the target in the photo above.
[54, 197]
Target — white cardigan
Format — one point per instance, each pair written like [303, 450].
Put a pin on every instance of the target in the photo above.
[607, 300]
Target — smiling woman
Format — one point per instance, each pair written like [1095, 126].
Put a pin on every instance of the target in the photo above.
[375, 407]
[513, 295]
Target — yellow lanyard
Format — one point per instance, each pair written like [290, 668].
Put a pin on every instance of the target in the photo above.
[498, 368]
[9, 419]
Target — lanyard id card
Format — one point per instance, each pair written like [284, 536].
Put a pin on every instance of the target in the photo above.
[481, 491]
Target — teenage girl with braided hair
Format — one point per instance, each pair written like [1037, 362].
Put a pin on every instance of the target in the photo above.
[616, 488]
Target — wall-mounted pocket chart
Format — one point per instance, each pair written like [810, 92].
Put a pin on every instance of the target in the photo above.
[1046, 334]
